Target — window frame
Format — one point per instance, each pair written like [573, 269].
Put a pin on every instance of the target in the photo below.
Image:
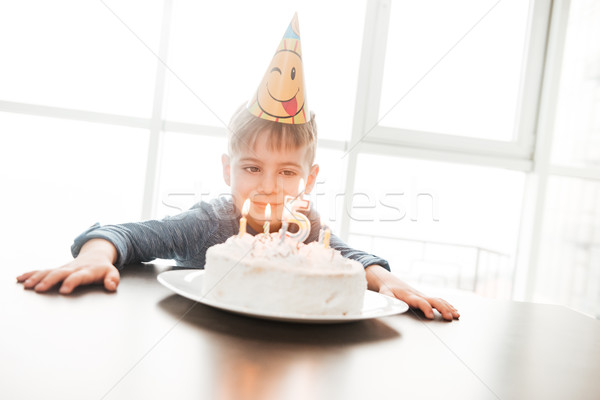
[520, 148]
[518, 154]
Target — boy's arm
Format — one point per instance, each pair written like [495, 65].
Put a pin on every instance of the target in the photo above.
[179, 237]
[135, 242]
[99, 250]
[362, 257]
[383, 281]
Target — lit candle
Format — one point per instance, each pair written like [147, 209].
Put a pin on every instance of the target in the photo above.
[326, 237]
[267, 224]
[243, 221]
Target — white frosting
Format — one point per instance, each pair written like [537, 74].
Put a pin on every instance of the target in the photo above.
[262, 272]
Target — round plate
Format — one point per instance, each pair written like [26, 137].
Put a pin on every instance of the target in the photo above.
[188, 283]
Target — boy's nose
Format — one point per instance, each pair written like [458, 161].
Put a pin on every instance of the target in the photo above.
[269, 184]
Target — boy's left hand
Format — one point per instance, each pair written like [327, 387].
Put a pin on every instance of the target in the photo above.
[381, 280]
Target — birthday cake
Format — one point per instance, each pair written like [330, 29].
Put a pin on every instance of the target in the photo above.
[272, 275]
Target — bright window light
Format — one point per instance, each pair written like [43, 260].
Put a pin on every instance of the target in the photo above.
[577, 125]
[436, 221]
[59, 177]
[77, 54]
[327, 195]
[570, 246]
[190, 171]
[454, 67]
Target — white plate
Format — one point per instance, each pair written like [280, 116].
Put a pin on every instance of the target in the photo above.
[188, 283]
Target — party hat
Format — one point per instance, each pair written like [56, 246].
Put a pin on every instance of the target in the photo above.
[281, 96]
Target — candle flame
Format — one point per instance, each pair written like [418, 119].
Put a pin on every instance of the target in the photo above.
[246, 207]
[268, 212]
[301, 187]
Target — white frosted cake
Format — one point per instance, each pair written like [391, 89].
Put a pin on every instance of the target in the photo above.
[263, 273]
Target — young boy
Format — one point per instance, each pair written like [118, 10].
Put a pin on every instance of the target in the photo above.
[271, 147]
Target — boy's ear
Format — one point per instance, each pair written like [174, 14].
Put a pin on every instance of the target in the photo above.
[226, 161]
[311, 180]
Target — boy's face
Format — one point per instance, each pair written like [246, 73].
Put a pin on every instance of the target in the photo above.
[266, 176]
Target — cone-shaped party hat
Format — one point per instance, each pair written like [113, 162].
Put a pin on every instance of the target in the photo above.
[281, 96]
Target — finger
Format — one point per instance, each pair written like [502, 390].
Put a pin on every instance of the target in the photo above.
[455, 313]
[25, 276]
[112, 279]
[424, 306]
[52, 279]
[35, 278]
[453, 310]
[443, 307]
[81, 277]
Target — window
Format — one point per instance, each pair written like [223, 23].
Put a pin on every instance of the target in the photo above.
[59, 177]
[577, 124]
[328, 192]
[438, 221]
[570, 245]
[190, 171]
[565, 252]
[448, 70]
[78, 55]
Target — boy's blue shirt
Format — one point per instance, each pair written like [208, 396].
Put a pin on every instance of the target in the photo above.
[186, 237]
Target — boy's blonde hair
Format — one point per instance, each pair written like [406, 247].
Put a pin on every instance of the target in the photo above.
[244, 129]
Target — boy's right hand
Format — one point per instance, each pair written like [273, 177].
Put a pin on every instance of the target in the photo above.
[94, 264]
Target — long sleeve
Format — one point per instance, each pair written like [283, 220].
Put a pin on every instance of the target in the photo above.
[184, 237]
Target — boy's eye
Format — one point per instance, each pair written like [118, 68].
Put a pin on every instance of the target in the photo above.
[252, 169]
[288, 173]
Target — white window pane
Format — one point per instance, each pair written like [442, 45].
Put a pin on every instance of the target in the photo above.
[473, 90]
[77, 54]
[58, 177]
[432, 220]
[569, 257]
[577, 124]
[219, 58]
[190, 171]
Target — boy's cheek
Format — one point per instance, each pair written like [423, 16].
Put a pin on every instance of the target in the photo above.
[240, 187]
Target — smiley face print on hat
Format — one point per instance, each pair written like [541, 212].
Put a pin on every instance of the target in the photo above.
[281, 94]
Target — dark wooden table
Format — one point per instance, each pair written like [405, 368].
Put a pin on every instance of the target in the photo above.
[145, 342]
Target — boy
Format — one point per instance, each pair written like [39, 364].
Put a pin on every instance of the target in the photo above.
[271, 147]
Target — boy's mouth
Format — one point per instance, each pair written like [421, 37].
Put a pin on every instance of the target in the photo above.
[264, 204]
